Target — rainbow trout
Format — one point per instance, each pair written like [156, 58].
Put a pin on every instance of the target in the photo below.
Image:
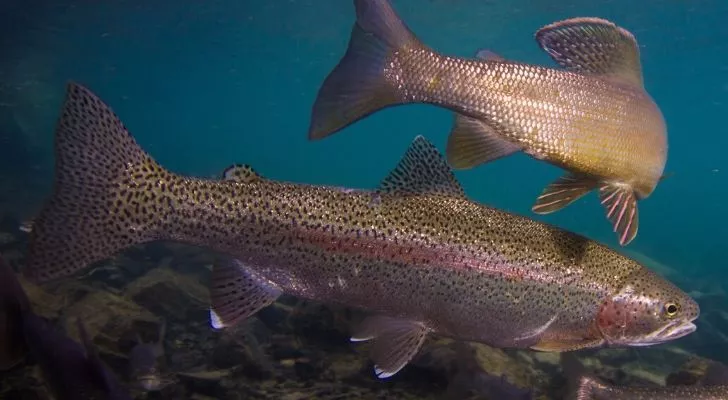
[592, 118]
[591, 388]
[585, 386]
[415, 252]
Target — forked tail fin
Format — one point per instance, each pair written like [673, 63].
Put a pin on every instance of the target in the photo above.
[358, 85]
[106, 195]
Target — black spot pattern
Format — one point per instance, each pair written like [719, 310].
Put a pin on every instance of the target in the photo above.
[421, 252]
[237, 292]
[591, 388]
[422, 170]
[241, 173]
[104, 196]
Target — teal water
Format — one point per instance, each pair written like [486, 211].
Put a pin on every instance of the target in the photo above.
[202, 85]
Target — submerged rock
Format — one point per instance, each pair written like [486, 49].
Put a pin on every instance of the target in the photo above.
[297, 349]
[175, 296]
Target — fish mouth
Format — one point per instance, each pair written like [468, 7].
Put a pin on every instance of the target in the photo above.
[668, 333]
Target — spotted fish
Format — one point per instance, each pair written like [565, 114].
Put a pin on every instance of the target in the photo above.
[587, 387]
[591, 388]
[592, 117]
[416, 253]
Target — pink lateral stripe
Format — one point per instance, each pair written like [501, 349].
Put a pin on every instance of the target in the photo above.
[421, 254]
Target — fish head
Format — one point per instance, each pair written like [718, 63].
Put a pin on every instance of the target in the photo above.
[645, 311]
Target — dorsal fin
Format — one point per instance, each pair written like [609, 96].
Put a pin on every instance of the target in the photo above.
[593, 46]
[241, 173]
[488, 55]
[422, 170]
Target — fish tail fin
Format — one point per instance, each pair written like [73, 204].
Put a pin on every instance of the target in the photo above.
[106, 196]
[13, 304]
[358, 86]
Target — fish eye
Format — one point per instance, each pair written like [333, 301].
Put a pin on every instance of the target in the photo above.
[671, 309]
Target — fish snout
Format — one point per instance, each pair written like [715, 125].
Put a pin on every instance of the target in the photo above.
[677, 331]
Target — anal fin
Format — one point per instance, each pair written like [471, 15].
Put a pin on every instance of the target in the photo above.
[396, 342]
[473, 142]
[237, 292]
[563, 192]
[620, 204]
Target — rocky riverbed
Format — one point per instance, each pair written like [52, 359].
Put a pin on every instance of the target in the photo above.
[300, 350]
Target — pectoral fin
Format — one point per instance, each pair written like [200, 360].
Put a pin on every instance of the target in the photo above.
[396, 342]
[473, 142]
[563, 192]
[237, 292]
[620, 205]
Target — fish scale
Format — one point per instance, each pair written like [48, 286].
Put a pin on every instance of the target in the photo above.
[585, 386]
[415, 250]
[592, 117]
[534, 106]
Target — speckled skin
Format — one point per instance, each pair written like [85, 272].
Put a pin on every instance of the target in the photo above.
[463, 269]
[591, 389]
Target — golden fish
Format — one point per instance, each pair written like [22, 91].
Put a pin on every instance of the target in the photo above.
[592, 118]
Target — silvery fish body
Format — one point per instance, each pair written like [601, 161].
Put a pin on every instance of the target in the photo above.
[593, 117]
[593, 389]
[713, 385]
[415, 252]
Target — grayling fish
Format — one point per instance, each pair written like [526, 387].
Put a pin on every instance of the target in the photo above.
[416, 252]
[144, 366]
[588, 387]
[71, 371]
[592, 118]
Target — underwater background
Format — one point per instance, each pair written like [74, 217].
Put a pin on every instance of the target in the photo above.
[202, 85]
